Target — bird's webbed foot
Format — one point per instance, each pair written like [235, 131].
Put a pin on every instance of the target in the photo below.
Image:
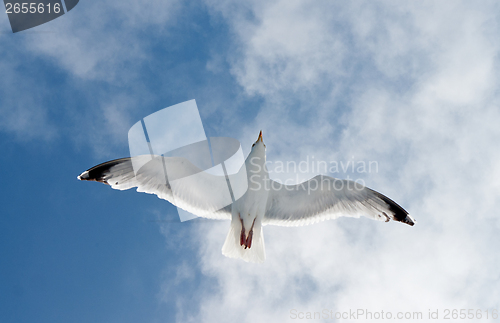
[244, 240]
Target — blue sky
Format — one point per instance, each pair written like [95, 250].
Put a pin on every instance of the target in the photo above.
[411, 85]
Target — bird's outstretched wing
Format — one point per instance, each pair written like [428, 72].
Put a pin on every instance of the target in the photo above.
[324, 198]
[151, 178]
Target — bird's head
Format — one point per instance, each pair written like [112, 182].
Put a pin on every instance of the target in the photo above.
[259, 144]
[256, 160]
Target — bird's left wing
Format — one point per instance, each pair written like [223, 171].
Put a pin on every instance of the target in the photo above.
[323, 198]
[189, 194]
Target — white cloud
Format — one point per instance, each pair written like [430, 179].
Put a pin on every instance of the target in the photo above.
[103, 41]
[417, 82]
[96, 46]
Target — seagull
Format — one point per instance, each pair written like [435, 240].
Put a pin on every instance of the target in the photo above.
[265, 202]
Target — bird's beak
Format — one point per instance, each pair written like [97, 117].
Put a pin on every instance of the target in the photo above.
[260, 137]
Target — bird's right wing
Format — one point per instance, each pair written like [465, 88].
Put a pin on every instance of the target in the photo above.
[190, 193]
[323, 198]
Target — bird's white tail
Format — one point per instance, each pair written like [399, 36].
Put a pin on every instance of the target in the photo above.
[232, 248]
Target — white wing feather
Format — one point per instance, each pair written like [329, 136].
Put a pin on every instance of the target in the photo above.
[151, 178]
[324, 198]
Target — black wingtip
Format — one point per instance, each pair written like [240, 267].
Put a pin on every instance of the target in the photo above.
[409, 220]
[84, 176]
[400, 214]
[98, 173]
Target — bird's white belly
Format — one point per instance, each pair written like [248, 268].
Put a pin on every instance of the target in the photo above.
[250, 207]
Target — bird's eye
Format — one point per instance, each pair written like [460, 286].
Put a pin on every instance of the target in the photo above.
[253, 145]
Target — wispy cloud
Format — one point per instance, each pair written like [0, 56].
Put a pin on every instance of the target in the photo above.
[93, 61]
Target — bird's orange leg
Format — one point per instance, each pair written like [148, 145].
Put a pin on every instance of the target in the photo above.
[242, 235]
[248, 242]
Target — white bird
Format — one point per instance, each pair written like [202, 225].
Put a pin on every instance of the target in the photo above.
[266, 202]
